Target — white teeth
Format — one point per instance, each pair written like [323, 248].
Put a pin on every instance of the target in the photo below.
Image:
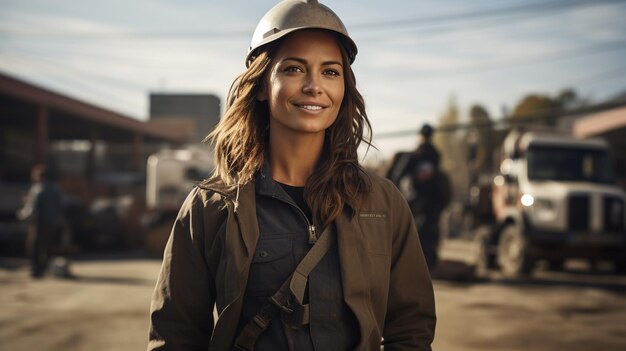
[311, 107]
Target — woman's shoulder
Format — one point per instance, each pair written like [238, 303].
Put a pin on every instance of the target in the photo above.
[205, 195]
[382, 188]
[386, 200]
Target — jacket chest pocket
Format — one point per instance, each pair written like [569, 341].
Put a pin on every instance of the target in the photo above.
[272, 263]
[375, 227]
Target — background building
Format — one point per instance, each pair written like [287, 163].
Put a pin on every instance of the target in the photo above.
[193, 115]
[99, 156]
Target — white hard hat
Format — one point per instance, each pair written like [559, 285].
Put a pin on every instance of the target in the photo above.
[291, 15]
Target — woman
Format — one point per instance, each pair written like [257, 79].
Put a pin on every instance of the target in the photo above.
[287, 180]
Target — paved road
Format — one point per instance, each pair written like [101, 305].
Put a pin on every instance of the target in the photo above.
[106, 308]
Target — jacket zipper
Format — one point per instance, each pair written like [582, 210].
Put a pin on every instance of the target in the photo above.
[311, 230]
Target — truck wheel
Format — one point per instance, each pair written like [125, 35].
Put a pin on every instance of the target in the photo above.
[513, 256]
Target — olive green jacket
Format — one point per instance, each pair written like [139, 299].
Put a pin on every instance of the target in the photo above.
[206, 262]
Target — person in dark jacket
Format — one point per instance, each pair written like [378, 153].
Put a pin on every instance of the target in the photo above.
[43, 210]
[426, 195]
[287, 178]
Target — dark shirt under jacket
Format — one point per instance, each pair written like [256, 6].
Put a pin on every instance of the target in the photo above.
[283, 225]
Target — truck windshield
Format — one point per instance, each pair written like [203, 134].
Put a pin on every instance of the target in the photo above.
[569, 164]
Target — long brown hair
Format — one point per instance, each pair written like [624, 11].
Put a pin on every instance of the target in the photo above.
[240, 141]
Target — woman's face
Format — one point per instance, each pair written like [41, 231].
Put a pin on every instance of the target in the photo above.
[305, 85]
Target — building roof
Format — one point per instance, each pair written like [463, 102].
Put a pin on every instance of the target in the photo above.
[600, 123]
[18, 98]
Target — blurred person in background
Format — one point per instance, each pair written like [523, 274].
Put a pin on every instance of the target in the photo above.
[426, 190]
[288, 185]
[43, 210]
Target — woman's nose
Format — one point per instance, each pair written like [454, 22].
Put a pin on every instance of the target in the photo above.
[312, 85]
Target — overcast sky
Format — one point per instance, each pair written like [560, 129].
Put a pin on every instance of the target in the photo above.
[414, 55]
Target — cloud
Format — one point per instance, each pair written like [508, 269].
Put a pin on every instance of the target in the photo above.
[124, 67]
[96, 52]
[598, 23]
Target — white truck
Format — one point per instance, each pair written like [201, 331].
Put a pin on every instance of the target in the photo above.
[554, 198]
[170, 175]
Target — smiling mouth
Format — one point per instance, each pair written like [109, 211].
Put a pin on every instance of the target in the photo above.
[310, 107]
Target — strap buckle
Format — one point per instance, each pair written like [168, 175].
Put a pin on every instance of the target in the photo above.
[283, 307]
[261, 321]
[298, 318]
[240, 347]
[255, 327]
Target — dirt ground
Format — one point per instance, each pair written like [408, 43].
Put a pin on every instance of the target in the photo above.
[574, 311]
[105, 307]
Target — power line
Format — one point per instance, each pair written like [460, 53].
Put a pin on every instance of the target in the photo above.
[478, 15]
[91, 75]
[523, 119]
[420, 21]
[432, 32]
[611, 74]
[558, 56]
[470, 69]
[60, 67]
[65, 78]
[567, 54]
[141, 61]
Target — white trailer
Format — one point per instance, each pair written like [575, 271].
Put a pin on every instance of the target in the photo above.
[170, 176]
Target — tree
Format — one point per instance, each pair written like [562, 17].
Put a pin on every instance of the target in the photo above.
[446, 140]
[480, 140]
[451, 147]
[544, 109]
[533, 104]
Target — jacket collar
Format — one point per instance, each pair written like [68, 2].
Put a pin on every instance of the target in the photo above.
[265, 185]
[241, 203]
[246, 217]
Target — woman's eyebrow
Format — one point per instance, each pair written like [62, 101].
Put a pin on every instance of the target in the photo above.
[328, 63]
[304, 62]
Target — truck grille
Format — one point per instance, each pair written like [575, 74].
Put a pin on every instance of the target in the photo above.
[613, 214]
[578, 213]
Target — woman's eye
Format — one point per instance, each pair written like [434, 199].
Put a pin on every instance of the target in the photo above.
[293, 69]
[332, 72]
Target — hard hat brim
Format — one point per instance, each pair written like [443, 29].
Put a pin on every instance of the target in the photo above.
[346, 42]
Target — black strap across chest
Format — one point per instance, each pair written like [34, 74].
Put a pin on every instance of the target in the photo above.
[288, 299]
